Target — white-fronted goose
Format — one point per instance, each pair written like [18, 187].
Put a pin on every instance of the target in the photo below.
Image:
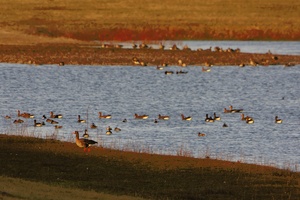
[83, 142]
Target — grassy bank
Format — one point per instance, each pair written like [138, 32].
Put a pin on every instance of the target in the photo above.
[155, 19]
[144, 175]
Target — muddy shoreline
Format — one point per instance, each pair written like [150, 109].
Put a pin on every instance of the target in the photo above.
[80, 54]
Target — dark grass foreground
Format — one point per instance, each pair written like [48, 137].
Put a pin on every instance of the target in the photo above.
[144, 175]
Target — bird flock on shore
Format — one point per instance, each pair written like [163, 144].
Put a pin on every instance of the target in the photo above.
[85, 143]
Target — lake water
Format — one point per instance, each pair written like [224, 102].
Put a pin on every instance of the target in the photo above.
[122, 91]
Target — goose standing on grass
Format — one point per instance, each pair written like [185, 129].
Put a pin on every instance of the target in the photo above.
[80, 120]
[277, 120]
[83, 142]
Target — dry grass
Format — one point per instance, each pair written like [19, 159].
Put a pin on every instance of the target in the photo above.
[14, 188]
[133, 19]
[144, 175]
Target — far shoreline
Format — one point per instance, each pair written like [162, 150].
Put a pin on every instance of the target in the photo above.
[107, 54]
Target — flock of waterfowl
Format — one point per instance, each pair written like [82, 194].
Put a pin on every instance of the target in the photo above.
[85, 143]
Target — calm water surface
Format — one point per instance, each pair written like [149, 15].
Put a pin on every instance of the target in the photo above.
[263, 93]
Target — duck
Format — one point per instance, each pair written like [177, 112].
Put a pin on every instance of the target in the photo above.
[277, 120]
[117, 129]
[217, 118]
[93, 126]
[55, 116]
[37, 124]
[83, 142]
[209, 119]
[136, 116]
[189, 118]
[101, 116]
[85, 135]
[201, 134]
[163, 117]
[81, 120]
[7, 117]
[159, 67]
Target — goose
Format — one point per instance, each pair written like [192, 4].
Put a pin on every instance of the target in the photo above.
[205, 69]
[25, 114]
[169, 72]
[217, 118]
[83, 142]
[18, 121]
[250, 121]
[85, 135]
[155, 121]
[58, 127]
[235, 110]
[93, 126]
[201, 134]
[277, 120]
[124, 120]
[136, 116]
[55, 116]
[209, 119]
[7, 117]
[225, 125]
[61, 64]
[108, 130]
[101, 116]
[163, 117]
[189, 118]
[53, 122]
[80, 120]
[117, 129]
[37, 124]
[243, 118]
[159, 67]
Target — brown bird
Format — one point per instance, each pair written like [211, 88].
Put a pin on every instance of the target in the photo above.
[101, 116]
[83, 142]
[186, 118]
